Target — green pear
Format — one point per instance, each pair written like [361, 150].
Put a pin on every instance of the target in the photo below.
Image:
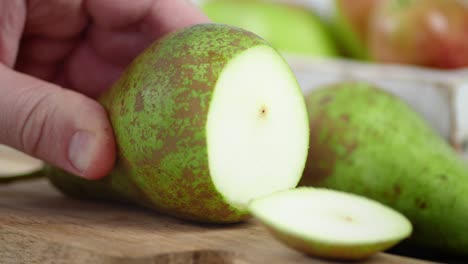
[199, 120]
[349, 21]
[331, 224]
[366, 141]
[290, 29]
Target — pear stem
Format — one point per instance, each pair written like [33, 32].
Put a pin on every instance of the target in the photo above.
[38, 174]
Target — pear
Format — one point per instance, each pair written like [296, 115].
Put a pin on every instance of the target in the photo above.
[199, 120]
[366, 141]
[349, 21]
[331, 224]
[293, 30]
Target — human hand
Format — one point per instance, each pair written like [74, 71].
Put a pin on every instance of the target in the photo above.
[56, 56]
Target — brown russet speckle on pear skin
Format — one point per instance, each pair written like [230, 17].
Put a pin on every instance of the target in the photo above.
[158, 110]
[387, 152]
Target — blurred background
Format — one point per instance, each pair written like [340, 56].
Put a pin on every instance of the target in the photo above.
[426, 33]
[415, 49]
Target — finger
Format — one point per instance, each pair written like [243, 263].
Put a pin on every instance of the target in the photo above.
[59, 126]
[119, 39]
[166, 16]
[55, 18]
[12, 19]
[118, 47]
[157, 17]
[45, 50]
[89, 72]
[117, 14]
[41, 71]
[41, 57]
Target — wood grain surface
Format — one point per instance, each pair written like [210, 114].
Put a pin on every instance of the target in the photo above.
[39, 225]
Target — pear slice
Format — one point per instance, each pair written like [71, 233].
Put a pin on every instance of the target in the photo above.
[15, 162]
[329, 223]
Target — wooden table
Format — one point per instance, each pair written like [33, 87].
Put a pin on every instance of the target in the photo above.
[39, 225]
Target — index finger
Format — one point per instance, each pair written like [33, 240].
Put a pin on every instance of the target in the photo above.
[155, 17]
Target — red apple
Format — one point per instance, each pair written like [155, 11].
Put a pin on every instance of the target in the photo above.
[430, 33]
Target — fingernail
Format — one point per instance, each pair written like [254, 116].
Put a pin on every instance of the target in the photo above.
[80, 150]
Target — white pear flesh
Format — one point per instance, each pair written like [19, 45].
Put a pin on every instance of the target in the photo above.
[257, 127]
[331, 224]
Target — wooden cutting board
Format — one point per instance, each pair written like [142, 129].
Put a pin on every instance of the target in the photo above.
[39, 225]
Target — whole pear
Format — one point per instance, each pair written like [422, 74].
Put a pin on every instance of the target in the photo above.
[349, 23]
[366, 141]
[290, 29]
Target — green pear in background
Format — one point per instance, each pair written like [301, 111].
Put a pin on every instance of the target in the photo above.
[290, 29]
[366, 141]
[349, 22]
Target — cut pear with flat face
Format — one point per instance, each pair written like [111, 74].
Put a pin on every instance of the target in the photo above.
[331, 224]
[206, 119]
[257, 128]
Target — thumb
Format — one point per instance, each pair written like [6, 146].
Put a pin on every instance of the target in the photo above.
[59, 126]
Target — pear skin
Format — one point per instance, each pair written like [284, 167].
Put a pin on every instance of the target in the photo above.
[366, 141]
[160, 109]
